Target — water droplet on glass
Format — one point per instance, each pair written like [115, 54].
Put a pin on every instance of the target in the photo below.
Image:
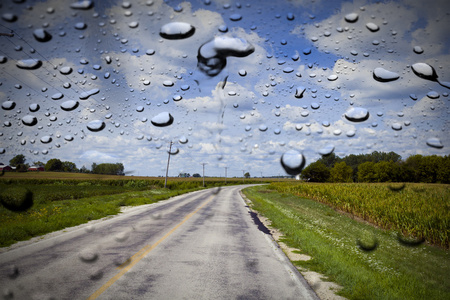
[288, 70]
[46, 139]
[351, 17]
[88, 256]
[86, 95]
[435, 143]
[162, 119]
[176, 30]
[299, 91]
[372, 27]
[384, 75]
[41, 35]
[433, 95]
[68, 138]
[235, 17]
[292, 162]
[168, 83]
[80, 25]
[8, 105]
[183, 139]
[396, 126]
[212, 55]
[84, 4]
[327, 150]
[57, 96]
[418, 50]
[65, 70]
[332, 77]
[34, 107]
[17, 200]
[69, 105]
[29, 64]
[424, 71]
[96, 125]
[356, 114]
[29, 120]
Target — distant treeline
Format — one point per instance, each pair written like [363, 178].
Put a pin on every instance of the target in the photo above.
[108, 169]
[379, 167]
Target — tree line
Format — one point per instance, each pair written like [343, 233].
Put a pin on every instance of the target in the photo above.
[379, 167]
[56, 165]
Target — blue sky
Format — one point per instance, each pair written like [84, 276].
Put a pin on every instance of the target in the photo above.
[121, 53]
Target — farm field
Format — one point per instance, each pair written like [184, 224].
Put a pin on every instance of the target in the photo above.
[34, 204]
[329, 222]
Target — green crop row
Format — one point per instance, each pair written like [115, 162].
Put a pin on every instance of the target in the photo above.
[416, 210]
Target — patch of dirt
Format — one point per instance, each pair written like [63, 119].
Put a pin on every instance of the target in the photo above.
[324, 289]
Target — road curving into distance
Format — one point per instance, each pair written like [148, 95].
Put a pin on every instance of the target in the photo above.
[201, 245]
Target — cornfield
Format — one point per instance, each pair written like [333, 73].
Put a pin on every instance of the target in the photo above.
[421, 211]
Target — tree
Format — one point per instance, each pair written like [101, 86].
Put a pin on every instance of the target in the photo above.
[108, 168]
[196, 175]
[53, 164]
[68, 166]
[247, 175]
[341, 173]
[366, 172]
[17, 160]
[38, 163]
[316, 172]
[330, 160]
[83, 169]
[386, 171]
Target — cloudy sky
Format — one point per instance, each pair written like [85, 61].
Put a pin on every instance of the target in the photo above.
[245, 116]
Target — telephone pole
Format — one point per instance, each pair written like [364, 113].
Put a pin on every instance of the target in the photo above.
[168, 161]
[203, 164]
[243, 175]
[226, 174]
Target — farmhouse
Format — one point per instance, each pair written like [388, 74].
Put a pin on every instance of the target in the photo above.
[36, 168]
[5, 168]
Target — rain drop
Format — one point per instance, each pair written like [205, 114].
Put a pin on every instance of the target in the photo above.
[292, 162]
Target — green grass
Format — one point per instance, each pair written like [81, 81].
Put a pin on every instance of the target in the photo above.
[391, 271]
[52, 215]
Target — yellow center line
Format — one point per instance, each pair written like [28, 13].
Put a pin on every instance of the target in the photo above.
[125, 267]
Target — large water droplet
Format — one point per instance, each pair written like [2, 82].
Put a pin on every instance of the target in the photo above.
[292, 162]
[356, 114]
[65, 70]
[372, 27]
[299, 91]
[84, 4]
[327, 150]
[435, 143]
[41, 35]
[86, 95]
[29, 64]
[96, 125]
[57, 96]
[46, 139]
[162, 119]
[176, 30]
[351, 17]
[8, 105]
[29, 120]
[212, 55]
[34, 107]
[424, 71]
[69, 105]
[384, 75]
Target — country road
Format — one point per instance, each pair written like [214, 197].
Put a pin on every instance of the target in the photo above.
[201, 245]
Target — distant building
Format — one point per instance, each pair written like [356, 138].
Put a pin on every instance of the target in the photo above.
[184, 175]
[5, 168]
[36, 168]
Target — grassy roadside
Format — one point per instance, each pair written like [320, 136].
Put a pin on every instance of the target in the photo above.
[391, 271]
[48, 216]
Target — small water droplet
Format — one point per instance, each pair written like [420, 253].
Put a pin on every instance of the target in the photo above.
[69, 105]
[65, 70]
[8, 105]
[396, 126]
[351, 17]
[372, 27]
[29, 120]
[41, 35]
[327, 150]
[29, 64]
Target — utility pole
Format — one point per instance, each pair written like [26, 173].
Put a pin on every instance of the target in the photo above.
[168, 161]
[203, 164]
[226, 174]
[243, 175]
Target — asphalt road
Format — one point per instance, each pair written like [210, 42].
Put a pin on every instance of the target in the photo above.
[202, 245]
